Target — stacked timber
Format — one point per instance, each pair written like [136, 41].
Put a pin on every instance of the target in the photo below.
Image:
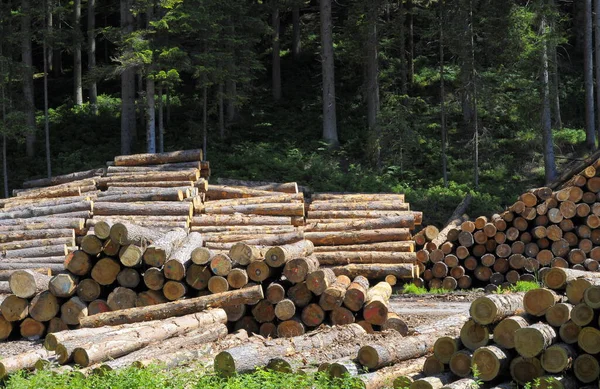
[546, 335]
[362, 234]
[542, 229]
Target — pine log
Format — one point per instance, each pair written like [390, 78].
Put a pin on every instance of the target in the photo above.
[267, 209]
[239, 220]
[558, 358]
[357, 237]
[537, 301]
[105, 271]
[376, 305]
[24, 361]
[151, 168]
[220, 192]
[158, 158]
[460, 363]
[357, 257]
[36, 234]
[217, 284]
[131, 255]
[333, 296]
[37, 211]
[180, 259]
[157, 253]
[402, 221]
[174, 290]
[278, 256]
[78, 262]
[377, 271]
[455, 220]
[493, 308]
[525, 370]
[576, 288]
[491, 362]
[73, 311]
[36, 243]
[300, 269]
[175, 308]
[128, 233]
[300, 294]
[167, 194]
[196, 276]
[408, 246]
[27, 283]
[243, 254]
[162, 208]
[586, 368]
[63, 285]
[54, 267]
[248, 357]
[88, 290]
[221, 265]
[559, 314]
[557, 278]
[260, 240]
[356, 294]
[474, 335]
[319, 280]
[534, 339]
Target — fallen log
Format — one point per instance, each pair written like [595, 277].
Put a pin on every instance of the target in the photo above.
[455, 220]
[248, 357]
[163, 208]
[175, 308]
[24, 361]
[377, 271]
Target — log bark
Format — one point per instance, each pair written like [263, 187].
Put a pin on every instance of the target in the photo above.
[36, 234]
[377, 271]
[403, 221]
[220, 192]
[400, 247]
[534, 339]
[181, 257]
[24, 361]
[376, 305]
[35, 211]
[493, 308]
[159, 158]
[128, 233]
[54, 268]
[358, 257]
[333, 296]
[333, 238]
[239, 220]
[455, 220]
[491, 362]
[278, 256]
[158, 208]
[248, 357]
[175, 308]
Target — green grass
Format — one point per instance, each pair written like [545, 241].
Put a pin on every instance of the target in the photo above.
[418, 290]
[520, 286]
[179, 378]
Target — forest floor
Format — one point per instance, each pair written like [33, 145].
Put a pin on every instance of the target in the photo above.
[416, 310]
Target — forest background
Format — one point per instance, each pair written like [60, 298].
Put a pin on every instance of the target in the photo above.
[434, 99]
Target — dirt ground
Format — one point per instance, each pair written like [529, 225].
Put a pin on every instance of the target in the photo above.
[417, 311]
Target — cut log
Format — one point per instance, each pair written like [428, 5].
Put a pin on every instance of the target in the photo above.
[377, 271]
[248, 357]
[174, 290]
[537, 301]
[285, 309]
[586, 368]
[356, 294]
[221, 265]
[197, 277]
[73, 311]
[78, 262]
[175, 308]
[300, 294]
[157, 253]
[278, 256]
[217, 284]
[491, 361]
[167, 194]
[63, 285]
[474, 335]
[376, 305]
[158, 158]
[526, 370]
[319, 280]
[402, 221]
[162, 208]
[243, 254]
[129, 278]
[238, 278]
[121, 298]
[299, 269]
[128, 233]
[357, 237]
[88, 290]
[357, 257]
[259, 271]
[105, 271]
[27, 283]
[557, 278]
[36, 234]
[180, 259]
[534, 339]
[493, 308]
[24, 361]
[333, 296]
[25, 244]
[558, 358]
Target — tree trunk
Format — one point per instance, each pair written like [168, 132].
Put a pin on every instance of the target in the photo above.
[220, 100]
[157, 253]
[296, 41]
[77, 80]
[161, 121]
[377, 271]
[549, 163]
[493, 308]
[372, 82]
[24, 361]
[91, 21]
[46, 118]
[555, 75]
[588, 73]
[443, 98]
[276, 57]
[127, 85]
[181, 258]
[175, 308]
[28, 93]
[329, 111]
[402, 48]
[150, 115]
[473, 78]
[204, 121]
[278, 256]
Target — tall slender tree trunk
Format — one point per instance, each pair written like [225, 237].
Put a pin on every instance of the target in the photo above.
[590, 126]
[549, 162]
[161, 122]
[373, 79]
[330, 134]
[91, 17]
[150, 96]
[230, 83]
[3, 97]
[28, 94]
[474, 94]
[597, 54]
[276, 61]
[296, 42]
[411, 43]
[555, 75]
[204, 120]
[46, 117]
[57, 70]
[168, 101]
[127, 85]
[403, 64]
[443, 98]
[50, 23]
[221, 111]
[77, 80]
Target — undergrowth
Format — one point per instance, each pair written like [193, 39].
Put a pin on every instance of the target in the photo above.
[418, 290]
[180, 378]
[520, 286]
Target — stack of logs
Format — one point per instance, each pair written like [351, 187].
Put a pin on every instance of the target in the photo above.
[542, 229]
[547, 335]
[122, 265]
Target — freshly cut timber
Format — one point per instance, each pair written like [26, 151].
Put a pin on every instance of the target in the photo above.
[158, 158]
[163, 208]
[557, 278]
[24, 361]
[358, 206]
[179, 175]
[220, 192]
[167, 194]
[128, 233]
[278, 256]
[356, 294]
[175, 308]
[333, 296]
[55, 268]
[455, 220]
[332, 238]
[239, 220]
[377, 271]
[376, 306]
[401, 247]
[286, 187]
[66, 178]
[504, 332]
[248, 357]
[358, 197]
[27, 283]
[532, 340]
[402, 221]
[347, 257]
[299, 269]
[36, 234]
[536, 302]
[493, 308]
[35, 211]
[181, 258]
[491, 361]
[63, 285]
[162, 167]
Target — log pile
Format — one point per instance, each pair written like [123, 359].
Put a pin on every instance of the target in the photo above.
[547, 334]
[542, 229]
